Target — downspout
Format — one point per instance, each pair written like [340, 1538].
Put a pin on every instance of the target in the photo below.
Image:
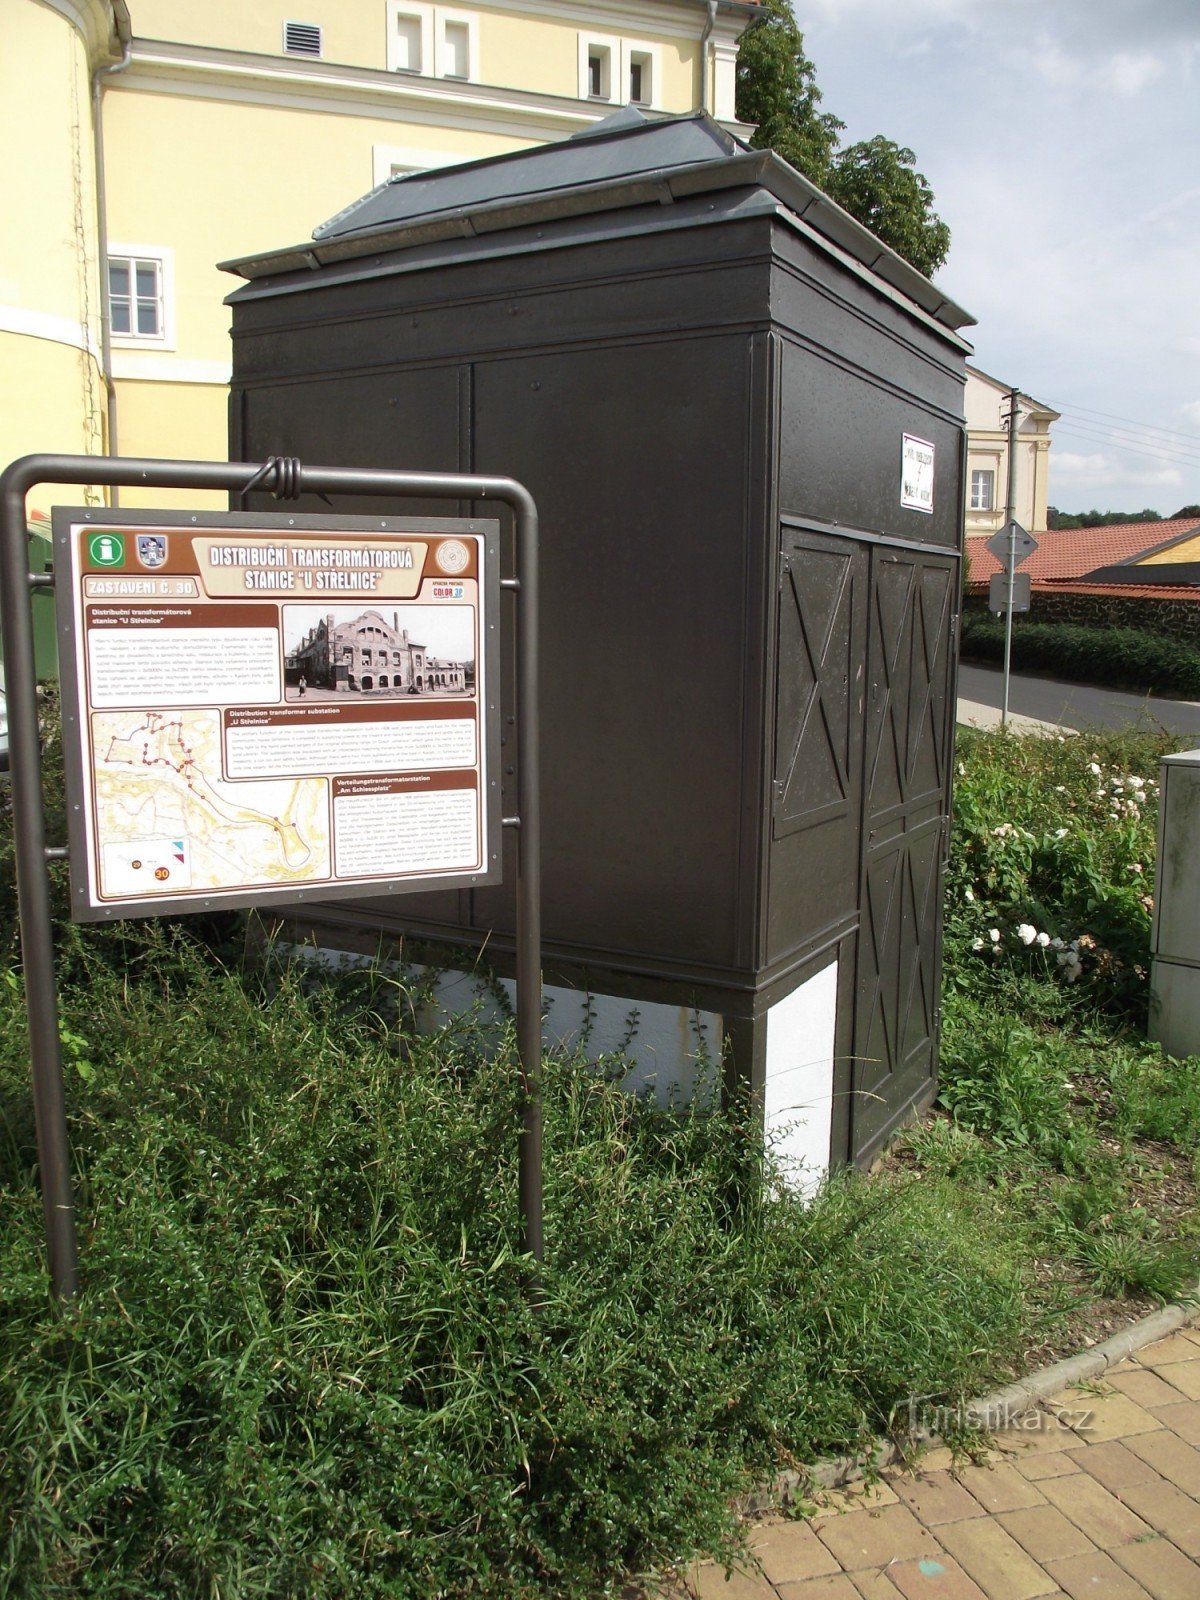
[124, 36]
[709, 25]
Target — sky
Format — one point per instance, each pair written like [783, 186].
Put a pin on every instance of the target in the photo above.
[1062, 142]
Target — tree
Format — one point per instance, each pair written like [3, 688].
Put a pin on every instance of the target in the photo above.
[1057, 520]
[777, 90]
[877, 183]
[874, 180]
[1186, 511]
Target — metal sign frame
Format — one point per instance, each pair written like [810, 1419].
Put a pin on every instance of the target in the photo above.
[280, 526]
[284, 478]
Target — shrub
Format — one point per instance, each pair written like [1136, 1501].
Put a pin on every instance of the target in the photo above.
[1121, 658]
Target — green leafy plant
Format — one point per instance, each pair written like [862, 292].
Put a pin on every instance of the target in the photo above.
[1122, 658]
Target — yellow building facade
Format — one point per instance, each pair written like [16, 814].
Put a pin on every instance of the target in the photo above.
[145, 141]
[986, 404]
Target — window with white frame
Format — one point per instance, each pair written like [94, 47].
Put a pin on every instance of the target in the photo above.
[141, 296]
[640, 78]
[983, 489]
[619, 71]
[434, 41]
[398, 160]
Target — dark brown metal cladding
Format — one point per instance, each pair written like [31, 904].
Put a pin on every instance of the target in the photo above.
[747, 642]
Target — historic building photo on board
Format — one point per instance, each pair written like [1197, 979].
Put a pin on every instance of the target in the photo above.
[414, 650]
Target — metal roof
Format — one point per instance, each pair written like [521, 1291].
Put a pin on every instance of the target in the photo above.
[625, 161]
[596, 155]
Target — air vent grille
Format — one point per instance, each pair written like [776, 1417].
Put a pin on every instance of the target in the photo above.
[302, 38]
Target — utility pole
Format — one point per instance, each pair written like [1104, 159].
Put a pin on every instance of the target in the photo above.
[1013, 397]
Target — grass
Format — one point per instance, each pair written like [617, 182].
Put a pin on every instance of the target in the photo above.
[304, 1361]
[304, 1364]
[1049, 1090]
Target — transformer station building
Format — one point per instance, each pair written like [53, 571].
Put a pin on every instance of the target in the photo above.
[368, 653]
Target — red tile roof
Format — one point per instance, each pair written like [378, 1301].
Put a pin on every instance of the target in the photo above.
[1066, 553]
[1138, 591]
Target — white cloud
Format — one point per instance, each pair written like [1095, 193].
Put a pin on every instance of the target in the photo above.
[1101, 471]
[1129, 74]
[1059, 140]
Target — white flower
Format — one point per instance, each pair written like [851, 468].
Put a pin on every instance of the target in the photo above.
[969, 894]
[1060, 833]
[1135, 866]
[1060, 788]
[977, 944]
[994, 935]
[1027, 933]
[1137, 783]
[1094, 767]
[1043, 939]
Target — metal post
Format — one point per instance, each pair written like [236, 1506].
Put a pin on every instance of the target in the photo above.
[529, 880]
[37, 942]
[33, 889]
[1011, 499]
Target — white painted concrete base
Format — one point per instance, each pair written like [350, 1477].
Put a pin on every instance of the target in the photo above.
[798, 1109]
[673, 1052]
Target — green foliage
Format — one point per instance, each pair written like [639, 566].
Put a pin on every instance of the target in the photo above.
[875, 180]
[777, 90]
[1119, 658]
[1050, 1090]
[304, 1363]
[1104, 519]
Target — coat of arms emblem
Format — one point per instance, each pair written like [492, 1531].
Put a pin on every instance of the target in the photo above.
[152, 549]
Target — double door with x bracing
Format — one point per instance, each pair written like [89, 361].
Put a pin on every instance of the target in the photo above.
[864, 739]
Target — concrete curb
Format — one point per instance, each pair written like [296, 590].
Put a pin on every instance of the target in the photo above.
[990, 1414]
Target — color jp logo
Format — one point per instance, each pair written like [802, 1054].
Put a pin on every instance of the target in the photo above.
[106, 549]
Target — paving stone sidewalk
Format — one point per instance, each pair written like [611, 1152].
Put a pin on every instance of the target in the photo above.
[1099, 1496]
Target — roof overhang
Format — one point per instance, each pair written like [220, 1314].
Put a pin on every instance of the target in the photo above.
[797, 198]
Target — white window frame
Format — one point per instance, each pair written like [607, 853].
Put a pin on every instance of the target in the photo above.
[390, 160]
[443, 18]
[650, 55]
[423, 16]
[435, 54]
[611, 48]
[977, 475]
[164, 256]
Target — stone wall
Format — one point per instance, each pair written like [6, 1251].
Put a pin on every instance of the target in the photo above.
[1180, 619]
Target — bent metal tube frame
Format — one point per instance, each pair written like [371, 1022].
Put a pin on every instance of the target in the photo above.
[283, 478]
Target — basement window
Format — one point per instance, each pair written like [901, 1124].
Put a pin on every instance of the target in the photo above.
[301, 39]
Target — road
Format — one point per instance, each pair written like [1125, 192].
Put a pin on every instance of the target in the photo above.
[1068, 705]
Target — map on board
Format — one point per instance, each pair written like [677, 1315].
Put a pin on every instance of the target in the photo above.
[169, 821]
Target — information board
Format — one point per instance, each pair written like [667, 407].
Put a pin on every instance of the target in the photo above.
[265, 709]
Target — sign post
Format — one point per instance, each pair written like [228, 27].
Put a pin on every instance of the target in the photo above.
[1012, 546]
[320, 694]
